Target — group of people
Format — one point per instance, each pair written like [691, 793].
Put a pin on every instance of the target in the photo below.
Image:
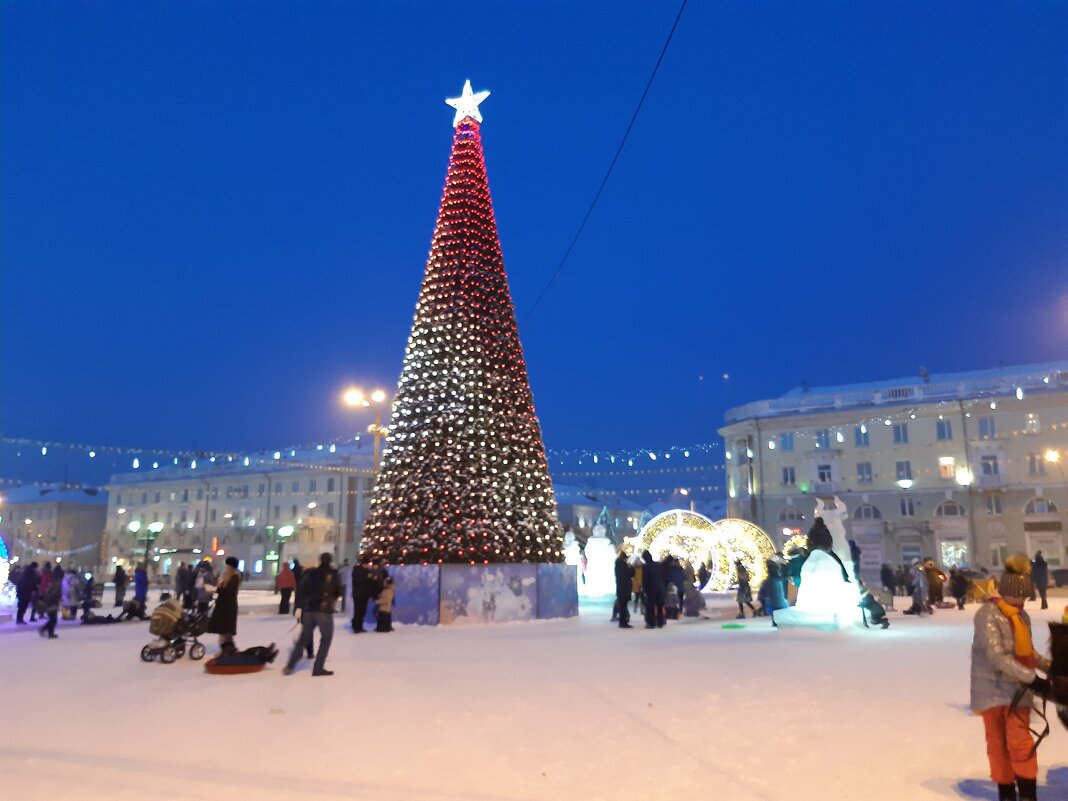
[48, 590]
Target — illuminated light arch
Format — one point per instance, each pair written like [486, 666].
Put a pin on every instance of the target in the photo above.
[700, 541]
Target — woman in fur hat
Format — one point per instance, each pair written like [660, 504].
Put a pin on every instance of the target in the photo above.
[1004, 663]
[224, 616]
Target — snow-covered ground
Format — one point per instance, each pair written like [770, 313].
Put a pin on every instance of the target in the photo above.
[558, 710]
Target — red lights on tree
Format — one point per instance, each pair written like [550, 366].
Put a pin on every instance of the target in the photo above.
[464, 458]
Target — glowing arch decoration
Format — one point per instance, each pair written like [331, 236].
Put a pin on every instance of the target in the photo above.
[713, 545]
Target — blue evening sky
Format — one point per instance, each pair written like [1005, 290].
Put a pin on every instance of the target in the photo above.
[215, 215]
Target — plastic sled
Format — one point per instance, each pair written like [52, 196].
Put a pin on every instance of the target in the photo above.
[213, 666]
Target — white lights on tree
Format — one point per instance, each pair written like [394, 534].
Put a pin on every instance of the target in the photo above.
[467, 104]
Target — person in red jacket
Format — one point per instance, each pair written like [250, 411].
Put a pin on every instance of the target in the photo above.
[285, 583]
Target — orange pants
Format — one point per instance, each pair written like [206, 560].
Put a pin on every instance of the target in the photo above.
[1009, 745]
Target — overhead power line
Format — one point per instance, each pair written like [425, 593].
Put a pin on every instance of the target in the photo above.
[611, 166]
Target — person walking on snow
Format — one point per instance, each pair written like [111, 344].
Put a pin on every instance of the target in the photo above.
[745, 592]
[653, 588]
[120, 580]
[284, 585]
[319, 593]
[384, 601]
[50, 600]
[624, 576]
[27, 591]
[141, 583]
[1003, 663]
[70, 593]
[1040, 577]
[363, 590]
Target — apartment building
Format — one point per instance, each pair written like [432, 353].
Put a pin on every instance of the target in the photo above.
[964, 468]
[53, 523]
[260, 509]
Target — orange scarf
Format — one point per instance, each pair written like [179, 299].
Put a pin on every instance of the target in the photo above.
[1021, 634]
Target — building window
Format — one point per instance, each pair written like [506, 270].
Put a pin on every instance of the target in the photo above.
[312, 485]
[901, 433]
[788, 477]
[947, 467]
[1036, 464]
[212, 516]
[993, 503]
[200, 494]
[987, 429]
[903, 471]
[864, 474]
[294, 510]
[185, 496]
[144, 497]
[215, 493]
[185, 516]
[1040, 506]
[196, 516]
[330, 511]
[989, 465]
[823, 438]
[945, 430]
[908, 509]
[262, 488]
[170, 518]
[1033, 425]
[278, 488]
[157, 498]
[791, 514]
[244, 491]
[867, 512]
[949, 509]
[860, 437]
[330, 485]
[823, 474]
[999, 552]
[296, 486]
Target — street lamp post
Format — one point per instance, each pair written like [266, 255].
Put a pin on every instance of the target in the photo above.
[145, 534]
[354, 398]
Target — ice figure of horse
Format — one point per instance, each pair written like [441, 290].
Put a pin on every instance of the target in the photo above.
[824, 600]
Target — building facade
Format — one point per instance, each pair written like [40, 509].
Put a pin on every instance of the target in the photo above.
[260, 510]
[964, 468]
[55, 524]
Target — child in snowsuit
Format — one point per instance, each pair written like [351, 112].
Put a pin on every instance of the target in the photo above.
[671, 602]
[1003, 667]
[385, 604]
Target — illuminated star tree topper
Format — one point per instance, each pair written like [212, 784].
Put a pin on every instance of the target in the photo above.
[467, 104]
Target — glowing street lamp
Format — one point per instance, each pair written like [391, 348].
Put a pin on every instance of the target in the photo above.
[1052, 456]
[354, 398]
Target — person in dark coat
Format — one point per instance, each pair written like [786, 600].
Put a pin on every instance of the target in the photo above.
[223, 619]
[854, 557]
[821, 539]
[141, 583]
[298, 574]
[27, 591]
[182, 584]
[364, 588]
[958, 586]
[624, 575]
[120, 580]
[888, 578]
[1040, 577]
[653, 587]
[320, 591]
[50, 601]
[745, 592]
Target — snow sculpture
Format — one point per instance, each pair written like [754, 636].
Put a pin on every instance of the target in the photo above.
[600, 565]
[824, 599]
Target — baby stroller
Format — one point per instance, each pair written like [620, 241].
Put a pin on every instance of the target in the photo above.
[174, 629]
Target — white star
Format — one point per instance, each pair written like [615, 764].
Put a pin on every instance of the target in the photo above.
[466, 104]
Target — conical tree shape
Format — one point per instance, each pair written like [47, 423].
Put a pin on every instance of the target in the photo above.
[464, 476]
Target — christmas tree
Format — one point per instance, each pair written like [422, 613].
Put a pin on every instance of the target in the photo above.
[464, 476]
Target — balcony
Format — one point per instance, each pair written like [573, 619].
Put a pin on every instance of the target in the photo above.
[990, 481]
